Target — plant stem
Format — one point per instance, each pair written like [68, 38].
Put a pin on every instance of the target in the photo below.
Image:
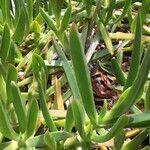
[127, 36]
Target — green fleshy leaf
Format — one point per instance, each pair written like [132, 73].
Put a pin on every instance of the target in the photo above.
[19, 107]
[19, 34]
[106, 37]
[66, 19]
[48, 20]
[5, 46]
[136, 90]
[11, 76]
[136, 54]
[119, 140]
[44, 108]
[5, 127]
[69, 120]
[31, 118]
[50, 141]
[82, 74]
[79, 117]
[117, 127]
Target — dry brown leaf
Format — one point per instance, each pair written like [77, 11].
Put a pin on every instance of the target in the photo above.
[132, 133]
[59, 104]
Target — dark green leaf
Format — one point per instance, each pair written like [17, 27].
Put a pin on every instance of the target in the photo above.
[5, 46]
[19, 34]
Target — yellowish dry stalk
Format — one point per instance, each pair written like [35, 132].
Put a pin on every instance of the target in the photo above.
[133, 133]
[127, 36]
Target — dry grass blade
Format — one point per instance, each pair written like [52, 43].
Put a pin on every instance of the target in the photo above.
[58, 96]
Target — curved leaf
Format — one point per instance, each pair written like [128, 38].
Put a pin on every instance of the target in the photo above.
[117, 127]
